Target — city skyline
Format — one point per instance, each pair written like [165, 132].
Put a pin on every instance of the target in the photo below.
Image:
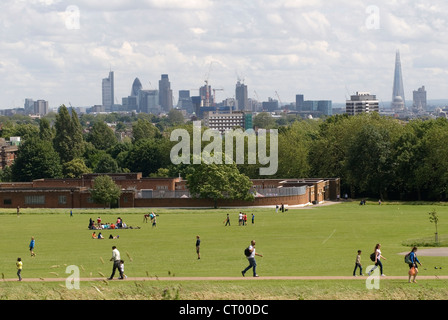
[60, 52]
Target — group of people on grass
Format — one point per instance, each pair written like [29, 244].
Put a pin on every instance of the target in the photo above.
[411, 259]
[242, 219]
[119, 224]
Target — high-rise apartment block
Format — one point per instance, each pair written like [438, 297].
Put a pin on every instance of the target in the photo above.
[362, 102]
[41, 107]
[419, 97]
[241, 96]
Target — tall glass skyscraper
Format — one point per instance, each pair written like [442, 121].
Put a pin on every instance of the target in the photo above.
[398, 99]
[165, 94]
[108, 91]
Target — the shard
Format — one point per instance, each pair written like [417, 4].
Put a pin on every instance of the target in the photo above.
[398, 99]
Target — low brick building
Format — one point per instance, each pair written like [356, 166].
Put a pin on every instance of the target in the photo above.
[137, 191]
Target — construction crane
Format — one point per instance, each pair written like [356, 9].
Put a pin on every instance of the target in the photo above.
[285, 110]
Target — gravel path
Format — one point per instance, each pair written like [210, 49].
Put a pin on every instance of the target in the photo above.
[261, 278]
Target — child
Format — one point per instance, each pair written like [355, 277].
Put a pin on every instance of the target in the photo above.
[358, 264]
[122, 269]
[32, 243]
[19, 268]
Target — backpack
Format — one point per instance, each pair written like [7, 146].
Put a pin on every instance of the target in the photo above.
[407, 258]
[372, 257]
[247, 252]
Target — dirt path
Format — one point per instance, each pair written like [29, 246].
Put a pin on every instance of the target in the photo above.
[261, 278]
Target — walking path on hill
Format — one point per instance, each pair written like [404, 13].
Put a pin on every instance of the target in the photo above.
[261, 278]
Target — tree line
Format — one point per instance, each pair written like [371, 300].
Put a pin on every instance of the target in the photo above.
[373, 155]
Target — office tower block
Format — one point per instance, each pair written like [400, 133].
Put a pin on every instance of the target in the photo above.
[41, 107]
[108, 91]
[299, 102]
[241, 96]
[165, 94]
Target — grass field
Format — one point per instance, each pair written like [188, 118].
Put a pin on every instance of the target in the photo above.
[317, 241]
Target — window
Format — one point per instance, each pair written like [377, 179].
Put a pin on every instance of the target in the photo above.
[7, 201]
[62, 199]
[34, 199]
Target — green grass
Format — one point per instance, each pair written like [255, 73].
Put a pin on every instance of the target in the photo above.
[316, 241]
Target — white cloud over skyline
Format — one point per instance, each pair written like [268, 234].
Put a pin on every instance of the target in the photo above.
[321, 49]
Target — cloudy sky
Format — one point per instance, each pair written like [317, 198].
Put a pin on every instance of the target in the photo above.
[60, 50]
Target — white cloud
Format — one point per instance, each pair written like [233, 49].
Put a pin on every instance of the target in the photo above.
[310, 47]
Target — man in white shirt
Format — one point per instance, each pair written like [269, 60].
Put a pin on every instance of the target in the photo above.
[251, 259]
[116, 259]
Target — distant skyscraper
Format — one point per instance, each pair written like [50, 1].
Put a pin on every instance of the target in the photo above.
[136, 87]
[108, 91]
[165, 94]
[398, 99]
[299, 102]
[41, 107]
[241, 96]
[419, 98]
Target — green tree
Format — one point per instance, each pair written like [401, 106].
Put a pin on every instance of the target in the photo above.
[434, 218]
[36, 159]
[75, 168]
[264, 120]
[148, 155]
[45, 130]
[68, 140]
[105, 191]
[214, 181]
[102, 136]
[143, 129]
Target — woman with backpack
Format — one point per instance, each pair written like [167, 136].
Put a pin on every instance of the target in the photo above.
[377, 260]
[413, 268]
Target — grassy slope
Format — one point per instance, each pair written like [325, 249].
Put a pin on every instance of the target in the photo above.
[317, 241]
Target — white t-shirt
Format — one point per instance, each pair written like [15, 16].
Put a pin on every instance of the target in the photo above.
[252, 255]
[378, 254]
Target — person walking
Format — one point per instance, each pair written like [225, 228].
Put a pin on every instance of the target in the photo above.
[251, 258]
[31, 246]
[358, 264]
[377, 261]
[198, 246]
[19, 266]
[414, 260]
[116, 259]
[227, 220]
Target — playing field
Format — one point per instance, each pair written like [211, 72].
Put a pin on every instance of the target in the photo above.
[314, 241]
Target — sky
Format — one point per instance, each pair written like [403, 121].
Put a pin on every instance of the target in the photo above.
[60, 50]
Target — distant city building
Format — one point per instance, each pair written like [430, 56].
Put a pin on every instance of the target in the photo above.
[206, 95]
[419, 99]
[40, 107]
[165, 94]
[299, 102]
[223, 122]
[362, 102]
[271, 105]
[108, 91]
[185, 102]
[398, 99]
[136, 87]
[29, 106]
[148, 101]
[241, 97]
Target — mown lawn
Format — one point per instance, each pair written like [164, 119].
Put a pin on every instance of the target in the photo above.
[320, 240]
